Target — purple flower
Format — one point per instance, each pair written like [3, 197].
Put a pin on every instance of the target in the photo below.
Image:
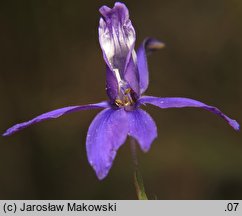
[126, 80]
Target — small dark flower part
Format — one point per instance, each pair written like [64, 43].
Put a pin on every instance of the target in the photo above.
[127, 79]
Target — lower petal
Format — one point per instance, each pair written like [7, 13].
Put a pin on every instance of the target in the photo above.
[142, 127]
[173, 102]
[106, 134]
[54, 114]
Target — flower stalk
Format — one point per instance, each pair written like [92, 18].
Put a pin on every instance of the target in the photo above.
[138, 180]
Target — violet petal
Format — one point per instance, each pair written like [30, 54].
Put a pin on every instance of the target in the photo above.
[142, 127]
[176, 102]
[131, 74]
[149, 44]
[112, 88]
[106, 134]
[54, 114]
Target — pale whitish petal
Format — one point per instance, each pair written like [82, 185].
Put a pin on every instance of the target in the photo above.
[117, 39]
[116, 36]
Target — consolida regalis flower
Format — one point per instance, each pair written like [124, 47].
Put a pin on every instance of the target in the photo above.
[126, 81]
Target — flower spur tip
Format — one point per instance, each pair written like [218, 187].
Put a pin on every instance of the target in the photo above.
[155, 44]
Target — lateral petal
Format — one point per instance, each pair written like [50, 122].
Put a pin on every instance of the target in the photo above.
[178, 102]
[54, 114]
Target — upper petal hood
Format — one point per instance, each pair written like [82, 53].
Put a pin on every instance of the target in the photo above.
[117, 40]
[116, 36]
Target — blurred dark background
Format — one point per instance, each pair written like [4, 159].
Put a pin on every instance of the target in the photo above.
[50, 58]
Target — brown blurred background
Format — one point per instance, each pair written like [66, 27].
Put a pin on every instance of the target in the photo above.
[50, 58]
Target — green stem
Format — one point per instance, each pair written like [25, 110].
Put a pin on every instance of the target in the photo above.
[138, 180]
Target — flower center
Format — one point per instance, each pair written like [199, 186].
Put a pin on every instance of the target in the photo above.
[126, 97]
